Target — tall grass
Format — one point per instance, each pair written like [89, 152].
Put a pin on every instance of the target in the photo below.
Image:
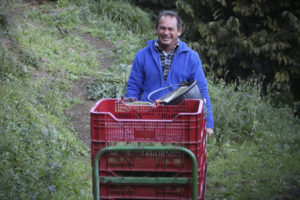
[36, 144]
[42, 53]
[40, 156]
[133, 18]
[253, 154]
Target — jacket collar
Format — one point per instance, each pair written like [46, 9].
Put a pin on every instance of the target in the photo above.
[182, 46]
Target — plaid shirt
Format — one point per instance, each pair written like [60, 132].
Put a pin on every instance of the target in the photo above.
[166, 58]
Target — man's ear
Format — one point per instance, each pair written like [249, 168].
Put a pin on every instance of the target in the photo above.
[155, 28]
[179, 31]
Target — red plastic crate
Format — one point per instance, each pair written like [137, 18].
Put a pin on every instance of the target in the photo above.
[151, 191]
[112, 121]
[149, 161]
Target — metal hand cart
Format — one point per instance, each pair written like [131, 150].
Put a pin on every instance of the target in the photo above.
[140, 139]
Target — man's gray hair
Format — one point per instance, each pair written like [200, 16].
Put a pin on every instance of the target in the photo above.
[169, 13]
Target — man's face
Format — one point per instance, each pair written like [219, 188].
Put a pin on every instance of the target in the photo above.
[167, 32]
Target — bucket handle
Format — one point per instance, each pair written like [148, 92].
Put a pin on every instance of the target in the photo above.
[160, 89]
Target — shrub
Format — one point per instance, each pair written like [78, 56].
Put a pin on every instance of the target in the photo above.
[253, 152]
[237, 37]
[136, 20]
[110, 84]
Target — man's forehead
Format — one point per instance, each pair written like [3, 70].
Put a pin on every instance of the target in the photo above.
[171, 20]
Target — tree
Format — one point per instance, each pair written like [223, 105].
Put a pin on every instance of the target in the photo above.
[236, 37]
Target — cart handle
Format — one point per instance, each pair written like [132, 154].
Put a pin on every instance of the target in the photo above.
[96, 178]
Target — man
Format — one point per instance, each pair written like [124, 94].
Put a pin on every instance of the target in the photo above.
[167, 61]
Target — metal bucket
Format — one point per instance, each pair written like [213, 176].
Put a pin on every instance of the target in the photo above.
[188, 90]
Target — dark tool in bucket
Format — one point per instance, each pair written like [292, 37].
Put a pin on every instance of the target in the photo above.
[187, 90]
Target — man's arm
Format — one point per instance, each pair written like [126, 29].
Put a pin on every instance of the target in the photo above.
[135, 81]
[198, 74]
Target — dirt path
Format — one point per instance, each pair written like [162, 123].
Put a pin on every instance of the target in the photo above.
[80, 114]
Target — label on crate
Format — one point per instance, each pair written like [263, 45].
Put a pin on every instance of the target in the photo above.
[144, 135]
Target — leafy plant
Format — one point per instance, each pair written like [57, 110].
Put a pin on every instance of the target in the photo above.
[37, 145]
[136, 20]
[238, 118]
[253, 144]
[237, 37]
[110, 84]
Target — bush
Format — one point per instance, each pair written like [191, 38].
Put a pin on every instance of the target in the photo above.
[253, 152]
[40, 157]
[237, 37]
[236, 108]
[110, 84]
[136, 20]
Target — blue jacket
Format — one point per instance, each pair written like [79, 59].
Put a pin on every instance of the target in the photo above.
[146, 74]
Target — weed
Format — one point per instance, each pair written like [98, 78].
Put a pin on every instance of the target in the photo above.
[110, 84]
[136, 20]
[37, 145]
[253, 153]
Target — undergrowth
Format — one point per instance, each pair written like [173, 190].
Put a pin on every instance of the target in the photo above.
[253, 154]
[136, 20]
[111, 83]
[40, 156]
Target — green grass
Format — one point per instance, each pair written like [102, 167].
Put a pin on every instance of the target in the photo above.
[40, 156]
[36, 144]
[64, 54]
[254, 152]
[136, 20]
[111, 83]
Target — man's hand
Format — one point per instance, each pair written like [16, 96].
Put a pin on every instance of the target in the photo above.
[209, 131]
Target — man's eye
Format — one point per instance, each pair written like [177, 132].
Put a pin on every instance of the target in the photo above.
[164, 28]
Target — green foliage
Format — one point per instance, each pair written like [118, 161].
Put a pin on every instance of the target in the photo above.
[40, 157]
[155, 4]
[130, 44]
[244, 171]
[12, 53]
[111, 83]
[64, 18]
[36, 145]
[153, 7]
[253, 154]
[41, 56]
[8, 72]
[79, 3]
[238, 119]
[237, 37]
[68, 50]
[136, 20]
[241, 113]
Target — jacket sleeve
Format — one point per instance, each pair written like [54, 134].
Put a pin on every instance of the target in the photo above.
[136, 77]
[197, 73]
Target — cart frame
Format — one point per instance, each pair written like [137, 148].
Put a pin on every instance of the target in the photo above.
[144, 180]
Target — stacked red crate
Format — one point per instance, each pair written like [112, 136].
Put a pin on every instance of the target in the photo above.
[115, 123]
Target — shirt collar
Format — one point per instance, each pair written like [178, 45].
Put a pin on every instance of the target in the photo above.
[160, 50]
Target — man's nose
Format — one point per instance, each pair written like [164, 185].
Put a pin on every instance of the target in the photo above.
[166, 31]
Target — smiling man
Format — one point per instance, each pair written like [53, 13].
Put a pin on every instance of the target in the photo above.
[167, 61]
[168, 31]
